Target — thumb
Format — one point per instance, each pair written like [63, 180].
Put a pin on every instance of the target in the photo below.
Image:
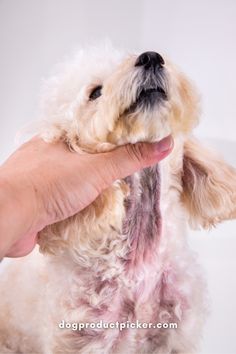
[127, 159]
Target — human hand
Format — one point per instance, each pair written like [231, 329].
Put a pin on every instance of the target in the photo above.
[42, 183]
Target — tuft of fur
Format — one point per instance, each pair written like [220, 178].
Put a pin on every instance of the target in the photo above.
[126, 256]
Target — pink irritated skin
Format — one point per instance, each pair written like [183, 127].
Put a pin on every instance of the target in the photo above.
[143, 227]
[150, 293]
[142, 223]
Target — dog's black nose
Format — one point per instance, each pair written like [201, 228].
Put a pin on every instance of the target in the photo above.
[150, 59]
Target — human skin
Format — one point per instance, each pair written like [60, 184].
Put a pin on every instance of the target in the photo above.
[43, 183]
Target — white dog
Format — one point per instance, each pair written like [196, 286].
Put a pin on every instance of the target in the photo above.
[125, 258]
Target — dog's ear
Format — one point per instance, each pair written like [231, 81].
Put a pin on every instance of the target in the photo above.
[209, 186]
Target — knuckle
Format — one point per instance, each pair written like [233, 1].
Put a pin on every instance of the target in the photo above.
[138, 152]
[114, 170]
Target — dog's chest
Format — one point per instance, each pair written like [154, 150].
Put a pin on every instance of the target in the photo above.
[139, 283]
[131, 270]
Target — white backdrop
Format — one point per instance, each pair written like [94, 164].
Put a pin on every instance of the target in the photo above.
[198, 35]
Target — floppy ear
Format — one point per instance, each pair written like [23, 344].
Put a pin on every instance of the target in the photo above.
[209, 186]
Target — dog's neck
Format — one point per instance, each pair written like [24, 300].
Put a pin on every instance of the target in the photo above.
[129, 228]
[142, 223]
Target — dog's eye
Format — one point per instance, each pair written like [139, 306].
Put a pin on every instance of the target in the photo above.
[96, 92]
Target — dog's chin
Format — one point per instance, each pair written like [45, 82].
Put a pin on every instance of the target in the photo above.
[147, 99]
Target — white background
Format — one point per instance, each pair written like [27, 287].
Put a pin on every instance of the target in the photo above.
[200, 36]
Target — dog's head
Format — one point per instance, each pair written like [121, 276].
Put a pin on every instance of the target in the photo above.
[105, 99]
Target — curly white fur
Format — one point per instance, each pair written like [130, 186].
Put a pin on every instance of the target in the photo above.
[126, 256]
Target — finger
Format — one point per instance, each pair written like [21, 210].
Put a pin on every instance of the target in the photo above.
[126, 160]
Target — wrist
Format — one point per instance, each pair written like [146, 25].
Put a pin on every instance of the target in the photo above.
[18, 208]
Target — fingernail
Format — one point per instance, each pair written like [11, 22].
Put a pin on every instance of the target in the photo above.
[164, 144]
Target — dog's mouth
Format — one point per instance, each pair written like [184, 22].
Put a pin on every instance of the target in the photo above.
[147, 98]
[150, 93]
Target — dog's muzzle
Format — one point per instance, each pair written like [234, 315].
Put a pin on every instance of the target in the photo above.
[151, 74]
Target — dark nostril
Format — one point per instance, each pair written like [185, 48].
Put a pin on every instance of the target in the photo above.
[150, 59]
